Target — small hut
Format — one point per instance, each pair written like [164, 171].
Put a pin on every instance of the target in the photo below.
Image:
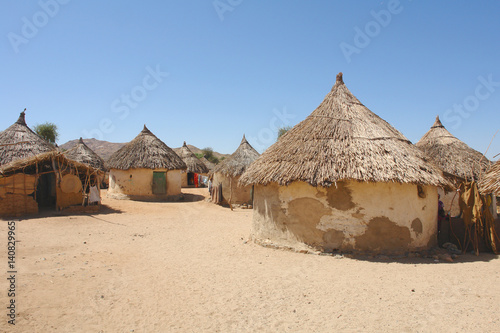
[208, 164]
[490, 182]
[227, 174]
[344, 179]
[145, 169]
[83, 154]
[47, 181]
[18, 141]
[195, 168]
[458, 161]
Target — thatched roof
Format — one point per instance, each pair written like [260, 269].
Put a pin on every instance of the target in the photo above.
[342, 140]
[28, 162]
[145, 151]
[238, 162]
[83, 154]
[207, 163]
[18, 141]
[490, 182]
[194, 164]
[453, 156]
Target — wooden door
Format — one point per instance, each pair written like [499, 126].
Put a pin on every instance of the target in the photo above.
[159, 182]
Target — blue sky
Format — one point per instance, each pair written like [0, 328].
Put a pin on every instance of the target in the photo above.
[206, 72]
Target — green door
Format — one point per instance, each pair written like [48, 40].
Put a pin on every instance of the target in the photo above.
[159, 182]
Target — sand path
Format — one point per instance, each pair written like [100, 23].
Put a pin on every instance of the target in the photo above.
[186, 267]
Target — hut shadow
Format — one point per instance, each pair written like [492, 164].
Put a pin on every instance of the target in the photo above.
[190, 197]
[47, 213]
[424, 260]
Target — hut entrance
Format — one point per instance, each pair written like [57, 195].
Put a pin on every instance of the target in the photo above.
[46, 191]
[192, 179]
[159, 182]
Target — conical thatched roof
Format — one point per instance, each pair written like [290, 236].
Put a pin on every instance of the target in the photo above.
[452, 155]
[19, 141]
[194, 164]
[207, 163]
[342, 140]
[490, 183]
[238, 162]
[83, 154]
[145, 151]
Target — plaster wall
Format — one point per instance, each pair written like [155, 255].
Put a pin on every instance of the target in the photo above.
[357, 216]
[239, 195]
[139, 182]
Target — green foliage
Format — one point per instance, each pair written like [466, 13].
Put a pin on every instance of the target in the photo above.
[47, 131]
[208, 152]
[199, 155]
[283, 130]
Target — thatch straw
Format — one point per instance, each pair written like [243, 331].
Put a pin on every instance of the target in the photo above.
[238, 162]
[18, 141]
[453, 156]
[342, 140]
[83, 154]
[490, 182]
[145, 151]
[21, 164]
[208, 164]
[194, 164]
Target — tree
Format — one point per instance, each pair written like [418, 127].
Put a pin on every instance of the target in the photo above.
[47, 131]
[283, 130]
[208, 152]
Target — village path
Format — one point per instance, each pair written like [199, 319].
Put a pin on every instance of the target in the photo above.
[187, 267]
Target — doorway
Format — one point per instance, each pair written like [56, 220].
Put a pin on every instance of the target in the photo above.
[159, 182]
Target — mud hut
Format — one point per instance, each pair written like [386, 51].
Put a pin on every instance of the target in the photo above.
[18, 141]
[490, 182]
[145, 169]
[344, 179]
[195, 168]
[458, 161]
[48, 181]
[228, 172]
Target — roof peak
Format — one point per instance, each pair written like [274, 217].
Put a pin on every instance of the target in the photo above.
[437, 123]
[184, 145]
[340, 79]
[244, 140]
[22, 118]
[81, 140]
[145, 129]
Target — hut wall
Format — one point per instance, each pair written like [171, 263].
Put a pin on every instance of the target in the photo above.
[240, 194]
[354, 216]
[139, 182]
[16, 195]
[184, 178]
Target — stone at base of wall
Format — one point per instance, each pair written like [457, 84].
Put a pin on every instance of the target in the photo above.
[155, 198]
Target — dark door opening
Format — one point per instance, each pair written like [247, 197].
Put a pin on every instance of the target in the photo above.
[46, 191]
[190, 177]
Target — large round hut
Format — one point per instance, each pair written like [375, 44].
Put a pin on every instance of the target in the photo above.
[195, 168]
[145, 169]
[344, 179]
[458, 161]
[18, 141]
[227, 174]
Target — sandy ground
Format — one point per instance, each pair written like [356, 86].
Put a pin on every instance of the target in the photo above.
[186, 267]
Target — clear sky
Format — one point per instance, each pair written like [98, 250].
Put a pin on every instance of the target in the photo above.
[207, 72]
